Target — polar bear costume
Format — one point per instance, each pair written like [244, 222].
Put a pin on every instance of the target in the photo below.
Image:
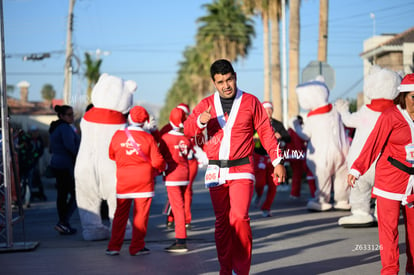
[95, 173]
[380, 88]
[327, 146]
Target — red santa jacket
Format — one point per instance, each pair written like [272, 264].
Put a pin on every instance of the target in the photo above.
[134, 168]
[393, 131]
[231, 138]
[175, 147]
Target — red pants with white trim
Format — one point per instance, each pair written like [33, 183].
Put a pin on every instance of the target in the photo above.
[388, 218]
[233, 234]
[298, 168]
[188, 195]
[264, 177]
[140, 223]
[176, 198]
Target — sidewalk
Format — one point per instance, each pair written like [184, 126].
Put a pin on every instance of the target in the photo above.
[293, 241]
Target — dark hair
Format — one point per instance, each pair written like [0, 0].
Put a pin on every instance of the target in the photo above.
[62, 109]
[221, 66]
[400, 100]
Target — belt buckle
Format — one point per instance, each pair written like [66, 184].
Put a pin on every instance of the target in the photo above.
[224, 163]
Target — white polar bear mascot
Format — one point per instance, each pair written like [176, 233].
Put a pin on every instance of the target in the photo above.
[327, 146]
[95, 173]
[380, 87]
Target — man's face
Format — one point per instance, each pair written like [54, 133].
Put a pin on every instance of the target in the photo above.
[225, 84]
[269, 112]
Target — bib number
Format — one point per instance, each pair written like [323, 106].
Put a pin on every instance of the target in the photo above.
[211, 178]
[409, 149]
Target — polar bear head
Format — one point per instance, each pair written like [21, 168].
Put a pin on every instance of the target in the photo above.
[312, 94]
[113, 93]
[381, 83]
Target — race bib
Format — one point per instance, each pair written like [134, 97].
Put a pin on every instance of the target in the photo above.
[409, 149]
[211, 178]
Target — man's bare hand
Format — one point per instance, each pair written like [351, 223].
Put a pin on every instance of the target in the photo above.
[205, 116]
[279, 174]
[351, 180]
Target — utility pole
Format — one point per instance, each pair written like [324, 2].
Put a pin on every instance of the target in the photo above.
[69, 53]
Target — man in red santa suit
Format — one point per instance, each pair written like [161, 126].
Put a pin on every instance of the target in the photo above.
[175, 147]
[230, 117]
[392, 142]
[135, 153]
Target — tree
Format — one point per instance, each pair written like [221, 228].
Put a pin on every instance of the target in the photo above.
[261, 7]
[92, 73]
[225, 32]
[10, 89]
[323, 31]
[227, 29]
[294, 39]
[48, 92]
[275, 14]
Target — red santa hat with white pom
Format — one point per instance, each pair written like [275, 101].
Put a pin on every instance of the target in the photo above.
[184, 107]
[177, 118]
[407, 84]
[138, 116]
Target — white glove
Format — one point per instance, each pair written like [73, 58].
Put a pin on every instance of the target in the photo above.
[342, 105]
[151, 125]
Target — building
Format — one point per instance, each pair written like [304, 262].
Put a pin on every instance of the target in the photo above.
[392, 51]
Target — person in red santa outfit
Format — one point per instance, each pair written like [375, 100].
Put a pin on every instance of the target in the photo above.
[135, 152]
[392, 141]
[296, 157]
[230, 117]
[263, 165]
[175, 148]
[193, 170]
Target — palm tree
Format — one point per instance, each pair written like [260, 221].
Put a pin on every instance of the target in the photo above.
[92, 73]
[48, 93]
[275, 14]
[323, 31]
[261, 7]
[227, 29]
[294, 38]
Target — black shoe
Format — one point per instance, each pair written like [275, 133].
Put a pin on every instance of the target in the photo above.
[188, 226]
[170, 225]
[143, 251]
[65, 229]
[112, 252]
[177, 248]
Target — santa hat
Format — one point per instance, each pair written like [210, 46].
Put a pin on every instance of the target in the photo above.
[407, 84]
[138, 115]
[267, 105]
[177, 117]
[184, 107]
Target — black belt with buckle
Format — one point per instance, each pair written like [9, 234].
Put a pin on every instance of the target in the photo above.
[229, 163]
[401, 166]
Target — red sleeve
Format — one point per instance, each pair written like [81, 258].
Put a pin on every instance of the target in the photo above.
[157, 160]
[191, 127]
[111, 147]
[374, 144]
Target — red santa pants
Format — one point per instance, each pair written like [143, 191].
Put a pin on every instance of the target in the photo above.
[176, 198]
[298, 168]
[188, 195]
[140, 223]
[388, 217]
[233, 234]
[264, 177]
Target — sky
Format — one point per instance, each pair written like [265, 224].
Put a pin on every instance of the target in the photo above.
[144, 41]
